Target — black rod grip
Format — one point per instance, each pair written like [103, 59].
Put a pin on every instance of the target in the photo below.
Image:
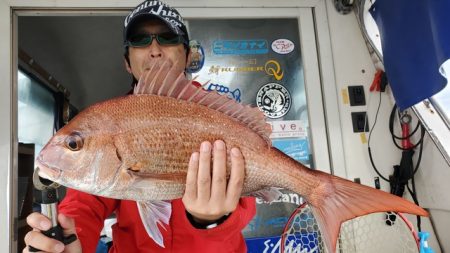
[55, 233]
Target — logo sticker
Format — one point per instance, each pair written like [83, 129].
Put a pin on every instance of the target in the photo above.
[197, 57]
[222, 89]
[218, 69]
[288, 129]
[308, 244]
[240, 47]
[283, 46]
[274, 100]
[273, 68]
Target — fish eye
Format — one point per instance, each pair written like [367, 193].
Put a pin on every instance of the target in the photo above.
[74, 142]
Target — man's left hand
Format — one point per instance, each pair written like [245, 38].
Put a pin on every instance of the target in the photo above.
[209, 196]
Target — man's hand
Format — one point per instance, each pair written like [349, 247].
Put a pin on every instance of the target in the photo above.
[39, 241]
[209, 196]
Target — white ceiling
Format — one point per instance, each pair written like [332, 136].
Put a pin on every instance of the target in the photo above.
[84, 53]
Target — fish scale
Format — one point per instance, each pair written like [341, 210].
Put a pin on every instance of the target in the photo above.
[195, 129]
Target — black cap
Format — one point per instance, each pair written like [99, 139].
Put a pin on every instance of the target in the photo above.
[156, 10]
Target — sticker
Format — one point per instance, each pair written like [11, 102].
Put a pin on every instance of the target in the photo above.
[297, 149]
[363, 138]
[265, 244]
[274, 100]
[273, 68]
[197, 57]
[283, 46]
[222, 89]
[219, 69]
[288, 129]
[270, 215]
[286, 197]
[345, 98]
[307, 242]
[240, 47]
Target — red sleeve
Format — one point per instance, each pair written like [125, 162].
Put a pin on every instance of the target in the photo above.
[89, 213]
[231, 228]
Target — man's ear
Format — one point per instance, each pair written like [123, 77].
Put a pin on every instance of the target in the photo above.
[127, 65]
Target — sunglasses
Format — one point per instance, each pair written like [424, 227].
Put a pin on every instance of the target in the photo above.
[143, 40]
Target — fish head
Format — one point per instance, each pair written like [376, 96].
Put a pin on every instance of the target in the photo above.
[81, 155]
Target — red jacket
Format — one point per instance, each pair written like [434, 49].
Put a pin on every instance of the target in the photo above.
[129, 233]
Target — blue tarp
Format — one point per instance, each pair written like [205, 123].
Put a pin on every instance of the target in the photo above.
[415, 39]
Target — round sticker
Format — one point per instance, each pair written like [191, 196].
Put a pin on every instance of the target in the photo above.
[283, 46]
[274, 100]
[197, 57]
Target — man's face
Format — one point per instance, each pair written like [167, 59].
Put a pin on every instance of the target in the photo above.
[142, 57]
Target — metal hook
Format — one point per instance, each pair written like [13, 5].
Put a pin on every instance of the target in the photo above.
[38, 184]
[405, 118]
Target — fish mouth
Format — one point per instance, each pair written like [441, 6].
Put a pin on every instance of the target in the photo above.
[46, 171]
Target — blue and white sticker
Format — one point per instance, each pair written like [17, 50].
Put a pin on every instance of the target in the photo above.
[297, 149]
[240, 47]
[306, 242]
[274, 100]
[223, 89]
[283, 46]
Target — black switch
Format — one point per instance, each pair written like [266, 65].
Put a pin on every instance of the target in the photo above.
[377, 183]
[360, 122]
[356, 95]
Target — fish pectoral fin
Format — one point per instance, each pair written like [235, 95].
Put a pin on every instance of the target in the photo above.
[153, 213]
[136, 167]
[268, 194]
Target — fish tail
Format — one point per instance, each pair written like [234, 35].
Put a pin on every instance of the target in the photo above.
[338, 200]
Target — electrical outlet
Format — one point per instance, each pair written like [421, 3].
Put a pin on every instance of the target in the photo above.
[356, 95]
[360, 121]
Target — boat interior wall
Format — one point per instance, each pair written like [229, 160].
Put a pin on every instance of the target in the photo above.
[84, 53]
[353, 66]
[432, 187]
[6, 139]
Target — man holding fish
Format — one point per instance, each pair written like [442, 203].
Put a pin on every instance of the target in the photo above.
[210, 215]
[136, 148]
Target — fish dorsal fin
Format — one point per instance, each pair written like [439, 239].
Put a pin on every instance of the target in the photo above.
[163, 80]
[153, 213]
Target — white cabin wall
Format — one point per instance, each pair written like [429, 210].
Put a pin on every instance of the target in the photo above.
[353, 66]
[350, 57]
[5, 128]
[433, 189]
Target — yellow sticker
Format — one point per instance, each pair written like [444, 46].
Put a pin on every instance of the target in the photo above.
[273, 68]
[363, 138]
[345, 96]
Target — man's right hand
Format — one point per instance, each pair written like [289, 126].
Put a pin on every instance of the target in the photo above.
[46, 244]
